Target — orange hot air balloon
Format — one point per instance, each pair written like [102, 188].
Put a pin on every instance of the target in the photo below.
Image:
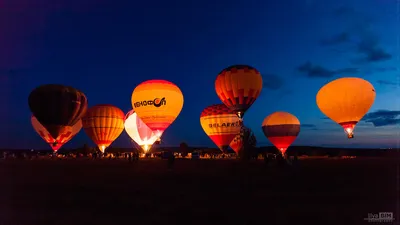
[68, 133]
[281, 129]
[238, 87]
[346, 101]
[239, 140]
[140, 133]
[103, 124]
[220, 124]
[157, 103]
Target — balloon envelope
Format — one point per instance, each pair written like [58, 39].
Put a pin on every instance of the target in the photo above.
[157, 103]
[238, 87]
[57, 106]
[239, 140]
[346, 101]
[103, 124]
[139, 131]
[56, 143]
[220, 124]
[281, 129]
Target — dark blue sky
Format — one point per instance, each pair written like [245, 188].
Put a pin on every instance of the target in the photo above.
[105, 48]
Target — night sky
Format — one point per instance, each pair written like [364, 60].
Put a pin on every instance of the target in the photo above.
[105, 48]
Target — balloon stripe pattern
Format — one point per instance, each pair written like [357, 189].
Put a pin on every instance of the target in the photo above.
[237, 142]
[281, 128]
[139, 131]
[157, 103]
[56, 143]
[103, 124]
[220, 124]
[346, 101]
[238, 87]
[57, 106]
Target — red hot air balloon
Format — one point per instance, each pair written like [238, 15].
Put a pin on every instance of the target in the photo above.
[64, 137]
[281, 128]
[57, 107]
[220, 124]
[238, 87]
[245, 135]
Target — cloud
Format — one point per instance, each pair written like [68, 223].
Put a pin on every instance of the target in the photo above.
[366, 42]
[314, 71]
[386, 82]
[382, 118]
[340, 38]
[272, 82]
[306, 125]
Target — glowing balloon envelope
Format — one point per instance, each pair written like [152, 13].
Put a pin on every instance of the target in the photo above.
[238, 142]
[56, 143]
[157, 103]
[57, 106]
[103, 124]
[220, 124]
[140, 133]
[281, 129]
[346, 101]
[238, 87]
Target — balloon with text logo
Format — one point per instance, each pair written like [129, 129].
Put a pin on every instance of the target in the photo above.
[238, 87]
[157, 103]
[140, 133]
[57, 107]
[220, 124]
[56, 143]
[281, 129]
[103, 124]
[346, 101]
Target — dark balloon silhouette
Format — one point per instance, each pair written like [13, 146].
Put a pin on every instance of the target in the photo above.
[57, 107]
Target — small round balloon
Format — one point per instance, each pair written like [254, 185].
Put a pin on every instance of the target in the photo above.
[281, 129]
[238, 87]
[346, 101]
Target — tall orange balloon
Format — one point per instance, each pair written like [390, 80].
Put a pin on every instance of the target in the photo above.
[220, 124]
[346, 101]
[56, 143]
[103, 124]
[157, 103]
[238, 87]
[281, 129]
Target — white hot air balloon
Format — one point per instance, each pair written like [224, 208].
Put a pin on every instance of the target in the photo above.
[140, 133]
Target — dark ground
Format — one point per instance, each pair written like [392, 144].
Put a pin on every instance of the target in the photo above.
[73, 192]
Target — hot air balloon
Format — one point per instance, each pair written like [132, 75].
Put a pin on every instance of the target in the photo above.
[56, 143]
[238, 87]
[140, 133]
[281, 129]
[245, 135]
[220, 124]
[57, 106]
[103, 124]
[157, 103]
[346, 101]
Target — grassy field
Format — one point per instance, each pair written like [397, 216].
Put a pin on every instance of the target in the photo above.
[73, 192]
